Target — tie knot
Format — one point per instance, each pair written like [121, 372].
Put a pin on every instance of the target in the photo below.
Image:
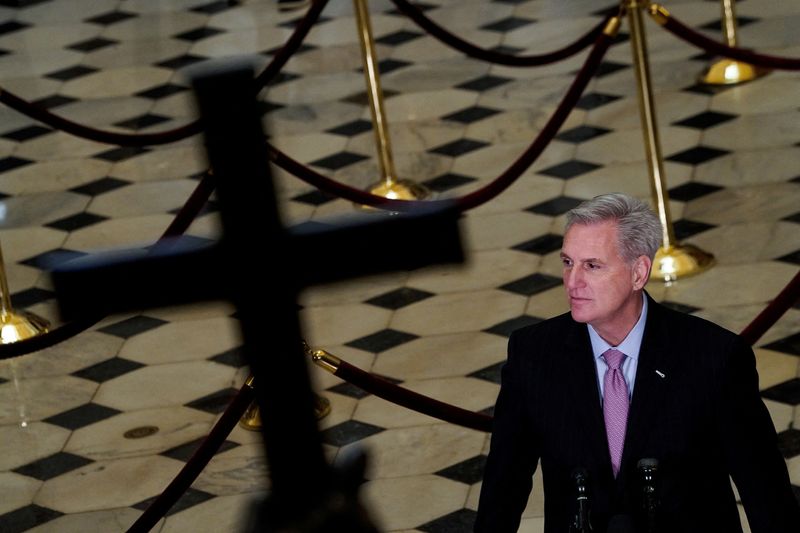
[613, 358]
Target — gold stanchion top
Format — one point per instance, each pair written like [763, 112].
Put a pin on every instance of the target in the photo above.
[327, 361]
[659, 13]
[250, 381]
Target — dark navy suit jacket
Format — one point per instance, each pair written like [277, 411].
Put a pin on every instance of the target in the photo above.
[704, 422]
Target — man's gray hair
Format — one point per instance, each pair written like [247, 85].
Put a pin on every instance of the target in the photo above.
[639, 229]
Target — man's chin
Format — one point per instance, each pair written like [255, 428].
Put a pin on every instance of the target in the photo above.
[578, 316]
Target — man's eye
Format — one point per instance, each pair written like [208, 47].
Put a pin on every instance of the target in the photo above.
[566, 262]
[592, 266]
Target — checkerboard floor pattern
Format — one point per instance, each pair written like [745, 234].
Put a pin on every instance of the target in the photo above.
[95, 427]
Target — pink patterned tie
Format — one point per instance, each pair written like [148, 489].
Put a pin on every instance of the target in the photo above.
[615, 406]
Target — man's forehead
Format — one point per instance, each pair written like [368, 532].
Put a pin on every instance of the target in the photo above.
[590, 241]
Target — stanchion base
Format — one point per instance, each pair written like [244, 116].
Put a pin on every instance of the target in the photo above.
[20, 325]
[730, 72]
[397, 190]
[680, 261]
[251, 419]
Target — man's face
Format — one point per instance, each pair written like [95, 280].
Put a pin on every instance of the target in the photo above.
[601, 287]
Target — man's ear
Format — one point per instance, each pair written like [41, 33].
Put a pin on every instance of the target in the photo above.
[641, 271]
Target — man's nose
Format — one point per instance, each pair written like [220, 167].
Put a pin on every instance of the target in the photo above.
[572, 278]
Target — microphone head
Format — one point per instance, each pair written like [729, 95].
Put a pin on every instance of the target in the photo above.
[647, 464]
[580, 475]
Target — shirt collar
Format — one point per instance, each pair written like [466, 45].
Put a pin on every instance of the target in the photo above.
[630, 345]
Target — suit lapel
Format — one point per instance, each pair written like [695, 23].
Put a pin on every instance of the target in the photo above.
[654, 362]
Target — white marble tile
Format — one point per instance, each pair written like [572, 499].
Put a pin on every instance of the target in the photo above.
[63, 11]
[763, 130]
[674, 139]
[108, 484]
[143, 198]
[750, 167]
[118, 233]
[482, 270]
[338, 324]
[18, 490]
[764, 241]
[769, 201]
[55, 145]
[116, 82]
[23, 445]
[48, 36]
[37, 63]
[228, 513]
[111, 520]
[26, 400]
[502, 230]
[190, 340]
[240, 470]
[136, 52]
[54, 175]
[423, 105]
[241, 42]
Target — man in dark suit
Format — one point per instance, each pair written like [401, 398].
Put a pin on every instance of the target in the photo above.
[621, 378]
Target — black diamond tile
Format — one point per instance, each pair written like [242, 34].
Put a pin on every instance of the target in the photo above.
[337, 161]
[399, 298]
[292, 23]
[388, 65]
[484, 83]
[787, 392]
[789, 443]
[51, 259]
[455, 522]
[300, 49]
[541, 245]
[90, 45]
[790, 345]
[112, 17]
[471, 114]
[490, 373]
[70, 73]
[348, 389]
[692, 191]
[398, 37]
[703, 56]
[233, 357]
[214, 403]
[609, 67]
[26, 518]
[100, 186]
[27, 133]
[382, 340]
[12, 26]
[469, 471]
[314, 198]
[52, 466]
[507, 327]
[701, 88]
[682, 308]
[448, 181]
[684, 228]
[697, 155]
[129, 327]
[11, 162]
[348, 432]
[107, 370]
[595, 100]
[198, 34]
[581, 134]
[569, 169]
[508, 50]
[793, 258]
[556, 206]
[185, 451]
[189, 499]
[352, 128]
[284, 77]
[214, 7]
[507, 24]
[162, 91]
[705, 120]
[533, 284]
[265, 106]
[143, 121]
[180, 61]
[459, 147]
[32, 296]
[82, 416]
[115, 155]
[512, 2]
[362, 98]
[75, 222]
[716, 25]
[3, 380]
[51, 102]
[419, 5]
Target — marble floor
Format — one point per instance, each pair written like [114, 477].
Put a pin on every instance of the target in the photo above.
[94, 427]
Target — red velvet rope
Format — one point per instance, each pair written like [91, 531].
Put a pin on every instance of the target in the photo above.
[196, 463]
[191, 208]
[689, 35]
[491, 56]
[165, 137]
[485, 193]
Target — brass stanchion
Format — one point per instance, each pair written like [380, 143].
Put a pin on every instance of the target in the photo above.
[389, 186]
[16, 325]
[728, 71]
[672, 260]
[251, 419]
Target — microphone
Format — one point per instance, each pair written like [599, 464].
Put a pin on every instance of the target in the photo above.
[648, 468]
[581, 522]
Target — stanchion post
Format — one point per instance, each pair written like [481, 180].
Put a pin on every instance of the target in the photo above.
[389, 186]
[729, 71]
[16, 325]
[672, 260]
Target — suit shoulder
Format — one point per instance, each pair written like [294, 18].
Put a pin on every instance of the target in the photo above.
[686, 326]
[555, 325]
